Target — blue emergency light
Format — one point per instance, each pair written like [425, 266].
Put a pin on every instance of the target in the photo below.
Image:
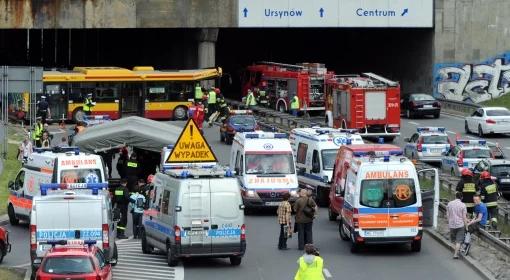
[95, 187]
[431, 129]
[380, 140]
[265, 136]
[348, 141]
[171, 146]
[386, 158]
[378, 153]
[57, 149]
[471, 142]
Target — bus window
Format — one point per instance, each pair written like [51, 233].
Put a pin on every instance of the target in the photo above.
[169, 91]
[106, 92]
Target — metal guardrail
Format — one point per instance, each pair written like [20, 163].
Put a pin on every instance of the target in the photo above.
[464, 108]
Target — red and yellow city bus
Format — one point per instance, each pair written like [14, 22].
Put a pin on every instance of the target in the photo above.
[120, 92]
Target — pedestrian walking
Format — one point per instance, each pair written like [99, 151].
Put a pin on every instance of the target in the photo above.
[43, 109]
[457, 219]
[121, 202]
[305, 208]
[467, 186]
[88, 103]
[122, 161]
[38, 132]
[211, 102]
[132, 171]
[25, 150]
[284, 220]
[489, 193]
[137, 204]
[310, 265]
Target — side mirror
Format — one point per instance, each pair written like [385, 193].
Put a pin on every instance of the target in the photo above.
[116, 214]
[407, 139]
[10, 185]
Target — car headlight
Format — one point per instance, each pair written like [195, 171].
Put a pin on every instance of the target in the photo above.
[250, 193]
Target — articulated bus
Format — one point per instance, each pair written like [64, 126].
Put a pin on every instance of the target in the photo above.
[120, 92]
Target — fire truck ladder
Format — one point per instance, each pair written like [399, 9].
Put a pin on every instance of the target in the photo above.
[359, 109]
[381, 79]
[290, 66]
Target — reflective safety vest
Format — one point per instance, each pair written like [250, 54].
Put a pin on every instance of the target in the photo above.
[38, 131]
[132, 164]
[250, 100]
[212, 97]
[262, 97]
[87, 107]
[294, 104]
[311, 271]
[468, 191]
[490, 193]
[198, 93]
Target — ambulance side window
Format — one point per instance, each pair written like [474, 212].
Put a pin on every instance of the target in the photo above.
[316, 165]
[165, 202]
[301, 153]
[18, 184]
[241, 166]
[350, 188]
[237, 162]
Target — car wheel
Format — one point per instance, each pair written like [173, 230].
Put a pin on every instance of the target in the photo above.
[416, 246]
[235, 261]
[12, 216]
[466, 127]
[229, 139]
[180, 113]
[170, 258]
[436, 116]
[281, 107]
[355, 248]
[480, 131]
[146, 249]
[332, 215]
[78, 115]
[341, 230]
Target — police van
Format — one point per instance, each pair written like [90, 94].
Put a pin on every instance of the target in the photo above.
[57, 165]
[195, 212]
[315, 152]
[264, 165]
[382, 202]
[73, 213]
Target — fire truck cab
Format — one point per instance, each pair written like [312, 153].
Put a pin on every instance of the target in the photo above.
[369, 103]
[281, 82]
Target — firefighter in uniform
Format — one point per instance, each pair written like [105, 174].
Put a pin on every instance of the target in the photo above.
[489, 193]
[132, 172]
[197, 113]
[211, 102]
[250, 100]
[137, 204]
[467, 186]
[88, 104]
[262, 98]
[294, 105]
[198, 93]
[121, 202]
[38, 132]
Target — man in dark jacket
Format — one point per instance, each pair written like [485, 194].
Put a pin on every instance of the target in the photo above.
[132, 171]
[304, 218]
[121, 201]
[489, 193]
[467, 187]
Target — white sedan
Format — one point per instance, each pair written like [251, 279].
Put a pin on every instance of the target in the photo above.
[488, 120]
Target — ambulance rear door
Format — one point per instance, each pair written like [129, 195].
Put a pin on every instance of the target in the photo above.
[86, 219]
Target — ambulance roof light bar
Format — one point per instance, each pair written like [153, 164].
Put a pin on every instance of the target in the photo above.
[95, 187]
[381, 79]
[57, 149]
[74, 242]
[241, 112]
[378, 153]
[431, 129]
[266, 135]
[471, 142]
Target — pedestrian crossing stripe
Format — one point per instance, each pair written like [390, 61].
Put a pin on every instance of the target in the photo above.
[191, 147]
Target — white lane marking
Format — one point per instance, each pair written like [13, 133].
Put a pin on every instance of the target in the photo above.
[451, 132]
[28, 274]
[508, 148]
[327, 273]
[415, 123]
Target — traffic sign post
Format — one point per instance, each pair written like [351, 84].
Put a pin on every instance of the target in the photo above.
[191, 147]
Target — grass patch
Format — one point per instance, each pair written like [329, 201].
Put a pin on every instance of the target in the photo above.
[503, 101]
[11, 168]
[11, 274]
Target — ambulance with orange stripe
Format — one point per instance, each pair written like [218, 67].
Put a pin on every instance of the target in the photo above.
[57, 165]
[382, 202]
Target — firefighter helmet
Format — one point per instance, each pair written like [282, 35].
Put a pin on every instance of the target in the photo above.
[466, 172]
[485, 175]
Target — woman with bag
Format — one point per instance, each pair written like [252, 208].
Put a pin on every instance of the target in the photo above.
[305, 208]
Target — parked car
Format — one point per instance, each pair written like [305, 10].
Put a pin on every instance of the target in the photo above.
[498, 168]
[5, 246]
[420, 104]
[488, 120]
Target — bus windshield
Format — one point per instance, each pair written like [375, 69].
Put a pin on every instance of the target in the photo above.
[85, 175]
[258, 164]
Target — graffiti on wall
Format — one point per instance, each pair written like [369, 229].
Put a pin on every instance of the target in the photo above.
[475, 83]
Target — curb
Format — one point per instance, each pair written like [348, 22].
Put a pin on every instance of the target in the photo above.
[4, 220]
[472, 263]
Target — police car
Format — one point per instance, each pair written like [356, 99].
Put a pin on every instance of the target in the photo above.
[466, 154]
[428, 144]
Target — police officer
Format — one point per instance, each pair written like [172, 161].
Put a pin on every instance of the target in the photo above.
[211, 102]
[489, 193]
[38, 132]
[250, 100]
[137, 204]
[88, 104]
[121, 202]
[467, 186]
[43, 109]
[294, 105]
[199, 94]
[132, 171]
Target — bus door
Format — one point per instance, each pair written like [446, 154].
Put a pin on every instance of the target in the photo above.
[56, 95]
[131, 100]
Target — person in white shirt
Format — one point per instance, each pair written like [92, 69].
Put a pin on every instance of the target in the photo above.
[25, 150]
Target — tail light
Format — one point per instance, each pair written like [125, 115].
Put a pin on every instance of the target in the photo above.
[33, 239]
[420, 216]
[490, 121]
[243, 232]
[106, 237]
[419, 146]
[177, 231]
[437, 104]
[98, 277]
[355, 218]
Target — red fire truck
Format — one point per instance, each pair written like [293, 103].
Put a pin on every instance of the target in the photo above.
[367, 102]
[282, 81]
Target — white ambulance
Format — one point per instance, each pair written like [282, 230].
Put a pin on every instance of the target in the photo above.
[315, 152]
[264, 165]
[57, 165]
[382, 202]
[72, 213]
[195, 212]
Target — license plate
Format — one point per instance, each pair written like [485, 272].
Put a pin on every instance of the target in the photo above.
[272, 203]
[436, 151]
[427, 106]
[44, 247]
[374, 233]
[505, 180]
[195, 233]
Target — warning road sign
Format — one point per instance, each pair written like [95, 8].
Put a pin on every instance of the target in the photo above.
[191, 147]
